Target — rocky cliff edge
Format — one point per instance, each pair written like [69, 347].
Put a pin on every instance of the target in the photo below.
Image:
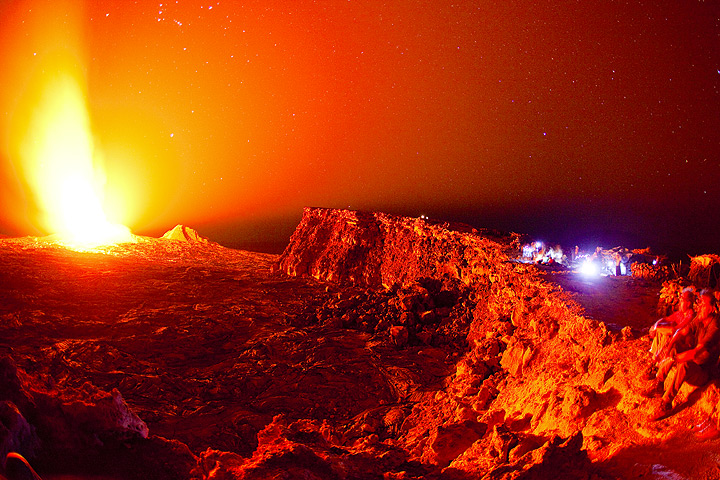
[539, 387]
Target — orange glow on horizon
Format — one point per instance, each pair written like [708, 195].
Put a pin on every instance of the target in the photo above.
[242, 114]
[52, 146]
[61, 166]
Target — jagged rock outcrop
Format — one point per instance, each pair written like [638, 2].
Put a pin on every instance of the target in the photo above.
[376, 249]
[705, 271]
[73, 418]
[307, 449]
[182, 233]
[89, 430]
[650, 272]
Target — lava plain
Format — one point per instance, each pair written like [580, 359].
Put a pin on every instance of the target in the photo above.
[205, 344]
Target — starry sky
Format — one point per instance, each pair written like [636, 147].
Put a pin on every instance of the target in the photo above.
[581, 122]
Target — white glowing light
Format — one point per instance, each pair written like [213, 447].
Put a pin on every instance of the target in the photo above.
[589, 268]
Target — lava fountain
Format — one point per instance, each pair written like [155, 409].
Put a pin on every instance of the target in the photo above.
[63, 168]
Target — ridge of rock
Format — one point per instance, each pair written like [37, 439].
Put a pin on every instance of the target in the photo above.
[377, 249]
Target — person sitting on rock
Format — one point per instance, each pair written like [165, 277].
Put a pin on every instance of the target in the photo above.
[664, 329]
[692, 365]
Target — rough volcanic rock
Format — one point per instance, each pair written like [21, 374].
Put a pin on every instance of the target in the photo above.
[521, 458]
[86, 429]
[705, 271]
[375, 249]
[66, 412]
[309, 450]
[184, 234]
[536, 375]
[206, 346]
[430, 354]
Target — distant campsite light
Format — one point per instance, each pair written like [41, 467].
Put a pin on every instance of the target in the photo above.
[590, 268]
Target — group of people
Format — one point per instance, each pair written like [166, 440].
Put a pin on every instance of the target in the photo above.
[685, 348]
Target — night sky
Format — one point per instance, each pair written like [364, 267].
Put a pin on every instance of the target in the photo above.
[580, 122]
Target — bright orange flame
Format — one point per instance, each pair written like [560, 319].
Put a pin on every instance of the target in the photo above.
[63, 169]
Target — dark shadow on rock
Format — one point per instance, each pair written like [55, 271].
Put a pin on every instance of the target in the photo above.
[691, 399]
[607, 399]
[680, 456]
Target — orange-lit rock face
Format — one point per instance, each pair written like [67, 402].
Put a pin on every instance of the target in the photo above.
[61, 166]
